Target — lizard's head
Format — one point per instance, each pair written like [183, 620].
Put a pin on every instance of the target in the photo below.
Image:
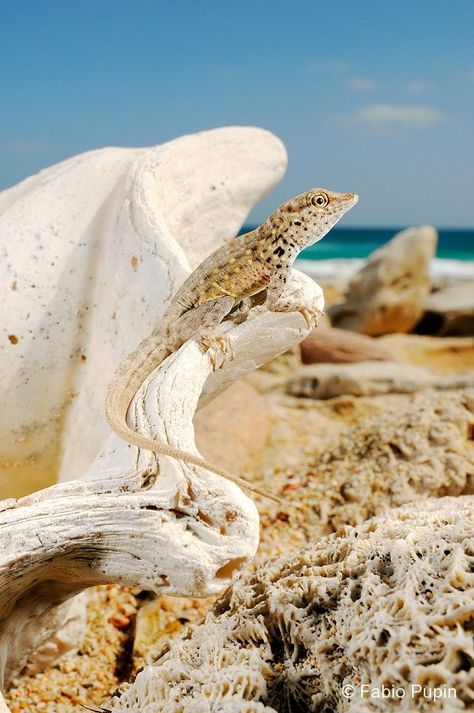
[308, 217]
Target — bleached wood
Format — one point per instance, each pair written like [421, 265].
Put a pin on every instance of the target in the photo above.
[157, 523]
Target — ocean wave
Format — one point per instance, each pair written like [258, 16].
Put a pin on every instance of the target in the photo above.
[342, 269]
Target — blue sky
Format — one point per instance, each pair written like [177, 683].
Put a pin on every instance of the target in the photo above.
[372, 96]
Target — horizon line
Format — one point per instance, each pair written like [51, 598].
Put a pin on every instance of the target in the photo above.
[386, 227]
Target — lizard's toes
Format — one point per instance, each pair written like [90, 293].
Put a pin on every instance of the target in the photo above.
[311, 316]
[310, 313]
[218, 347]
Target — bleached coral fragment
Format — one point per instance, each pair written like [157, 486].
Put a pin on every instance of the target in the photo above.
[389, 603]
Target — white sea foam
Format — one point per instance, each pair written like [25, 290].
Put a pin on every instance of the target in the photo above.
[341, 269]
[461, 269]
[338, 268]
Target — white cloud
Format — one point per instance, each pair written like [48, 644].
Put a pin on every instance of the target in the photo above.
[395, 117]
[24, 146]
[361, 84]
[417, 88]
[329, 67]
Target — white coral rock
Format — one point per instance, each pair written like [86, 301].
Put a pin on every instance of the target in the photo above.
[389, 602]
[91, 250]
[150, 521]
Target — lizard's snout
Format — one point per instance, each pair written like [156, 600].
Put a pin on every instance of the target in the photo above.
[351, 198]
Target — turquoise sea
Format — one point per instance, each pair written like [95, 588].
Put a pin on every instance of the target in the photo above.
[360, 242]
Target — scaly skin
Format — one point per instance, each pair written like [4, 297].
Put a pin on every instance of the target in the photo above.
[259, 260]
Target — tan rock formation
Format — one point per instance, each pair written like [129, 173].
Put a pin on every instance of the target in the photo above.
[232, 430]
[331, 345]
[369, 378]
[450, 311]
[444, 355]
[389, 293]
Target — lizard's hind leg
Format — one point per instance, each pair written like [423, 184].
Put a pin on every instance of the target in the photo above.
[217, 345]
[240, 311]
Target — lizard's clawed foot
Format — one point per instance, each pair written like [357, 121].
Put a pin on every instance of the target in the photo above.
[311, 316]
[219, 348]
[310, 313]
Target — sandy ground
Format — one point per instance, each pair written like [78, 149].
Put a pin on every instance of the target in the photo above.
[126, 627]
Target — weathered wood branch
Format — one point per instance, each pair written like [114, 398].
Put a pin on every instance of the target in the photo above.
[154, 522]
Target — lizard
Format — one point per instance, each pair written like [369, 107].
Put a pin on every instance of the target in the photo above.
[243, 267]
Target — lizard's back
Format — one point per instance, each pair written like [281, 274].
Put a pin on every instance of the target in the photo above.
[235, 269]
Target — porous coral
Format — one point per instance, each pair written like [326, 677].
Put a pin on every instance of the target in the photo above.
[388, 605]
[416, 447]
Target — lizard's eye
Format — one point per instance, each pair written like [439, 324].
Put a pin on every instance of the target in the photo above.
[320, 200]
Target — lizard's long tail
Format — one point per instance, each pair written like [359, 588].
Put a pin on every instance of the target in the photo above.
[121, 391]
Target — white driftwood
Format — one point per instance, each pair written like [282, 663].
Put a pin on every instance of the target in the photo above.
[92, 250]
[157, 523]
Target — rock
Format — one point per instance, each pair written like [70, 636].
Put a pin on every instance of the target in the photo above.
[368, 378]
[400, 449]
[449, 312]
[389, 293]
[388, 603]
[336, 346]
[65, 639]
[92, 250]
[161, 618]
[232, 430]
[444, 355]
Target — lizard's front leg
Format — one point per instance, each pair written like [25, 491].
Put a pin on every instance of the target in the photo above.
[278, 301]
